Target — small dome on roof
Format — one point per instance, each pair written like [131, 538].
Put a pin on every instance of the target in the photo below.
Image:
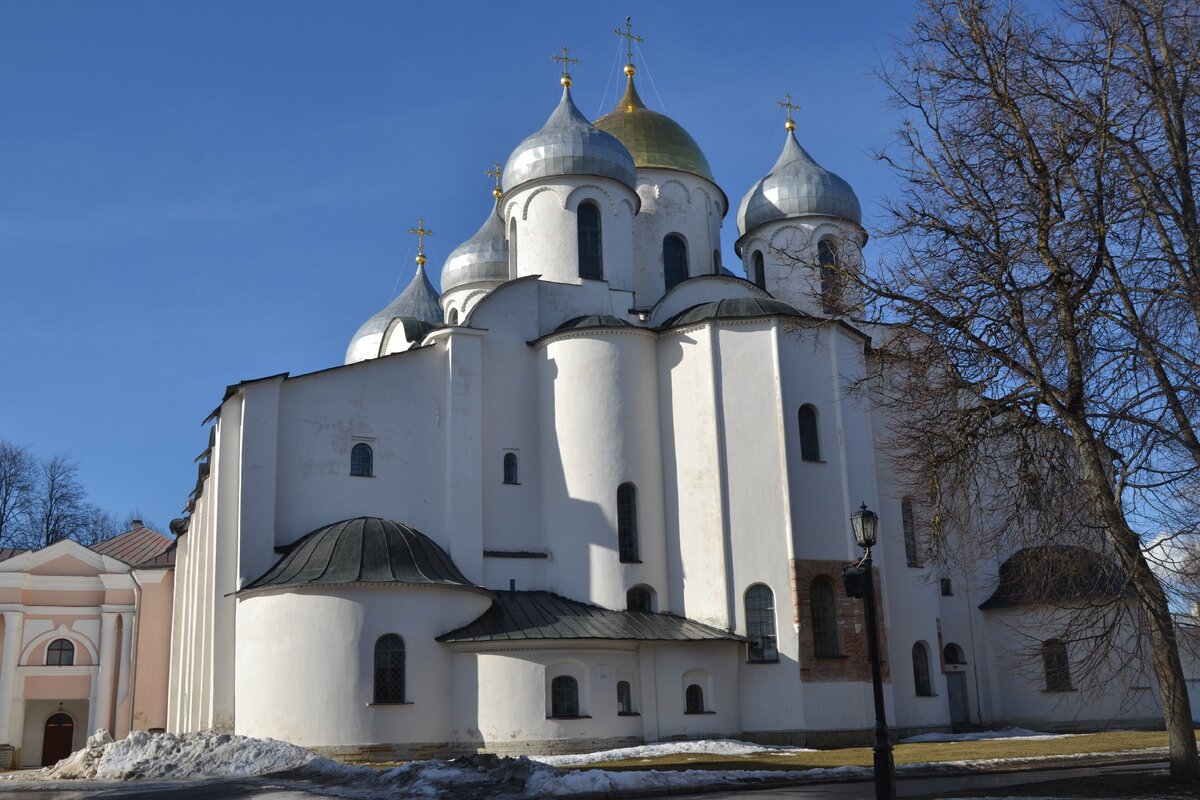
[797, 186]
[653, 139]
[364, 550]
[569, 145]
[595, 321]
[416, 306]
[483, 257]
[734, 308]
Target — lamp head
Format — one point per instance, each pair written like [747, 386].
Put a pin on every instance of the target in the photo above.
[866, 526]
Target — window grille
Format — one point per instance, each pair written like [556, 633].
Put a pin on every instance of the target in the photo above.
[564, 697]
[591, 264]
[362, 460]
[389, 669]
[760, 623]
[693, 700]
[824, 618]
[627, 523]
[810, 445]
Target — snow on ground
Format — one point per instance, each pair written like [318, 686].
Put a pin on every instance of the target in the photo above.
[722, 747]
[1006, 733]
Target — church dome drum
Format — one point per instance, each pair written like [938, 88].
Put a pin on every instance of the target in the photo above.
[797, 186]
[569, 145]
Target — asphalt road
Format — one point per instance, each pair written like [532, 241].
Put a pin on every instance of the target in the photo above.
[262, 789]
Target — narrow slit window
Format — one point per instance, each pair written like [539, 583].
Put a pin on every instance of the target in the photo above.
[1057, 666]
[693, 699]
[675, 263]
[810, 444]
[832, 289]
[758, 270]
[627, 523]
[911, 550]
[760, 623]
[591, 264]
[921, 678]
[624, 698]
[510, 468]
[824, 618]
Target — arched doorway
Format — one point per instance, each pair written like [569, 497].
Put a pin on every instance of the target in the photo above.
[56, 741]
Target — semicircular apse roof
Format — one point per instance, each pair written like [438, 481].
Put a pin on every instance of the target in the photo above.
[734, 308]
[364, 550]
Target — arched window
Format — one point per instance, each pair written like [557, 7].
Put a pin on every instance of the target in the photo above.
[810, 445]
[624, 698]
[591, 264]
[921, 680]
[911, 551]
[639, 598]
[824, 618]
[693, 700]
[452, 317]
[760, 623]
[564, 697]
[716, 262]
[675, 264]
[510, 468]
[1057, 666]
[512, 249]
[831, 279]
[627, 523]
[953, 654]
[758, 271]
[362, 460]
[389, 669]
[60, 653]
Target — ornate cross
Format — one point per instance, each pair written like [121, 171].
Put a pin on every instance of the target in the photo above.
[787, 103]
[566, 60]
[629, 38]
[421, 233]
[495, 172]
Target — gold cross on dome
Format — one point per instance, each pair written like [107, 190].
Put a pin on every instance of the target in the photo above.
[629, 38]
[421, 232]
[787, 103]
[566, 61]
[497, 173]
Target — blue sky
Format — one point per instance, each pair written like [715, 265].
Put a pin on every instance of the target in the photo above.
[196, 194]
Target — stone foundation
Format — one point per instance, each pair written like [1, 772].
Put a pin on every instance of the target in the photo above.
[387, 753]
[9, 757]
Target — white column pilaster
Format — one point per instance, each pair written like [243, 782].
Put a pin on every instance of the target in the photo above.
[121, 723]
[104, 681]
[11, 693]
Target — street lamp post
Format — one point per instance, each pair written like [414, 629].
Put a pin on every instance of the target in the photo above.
[866, 529]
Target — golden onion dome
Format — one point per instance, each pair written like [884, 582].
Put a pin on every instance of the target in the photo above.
[654, 139]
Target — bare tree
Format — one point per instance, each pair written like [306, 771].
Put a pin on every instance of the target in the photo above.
[1041, 295]
[59, 509]
[17, 473]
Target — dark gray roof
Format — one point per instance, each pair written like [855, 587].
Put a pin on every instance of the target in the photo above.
[594, 321]
[734, 308]
[545, 615]
[364, 550]
[797, 186]
[139, 546]
[1054, 575]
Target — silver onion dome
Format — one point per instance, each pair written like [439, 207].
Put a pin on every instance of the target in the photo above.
[569, 145]
[417, 306]
[483, 257]
[797, 186]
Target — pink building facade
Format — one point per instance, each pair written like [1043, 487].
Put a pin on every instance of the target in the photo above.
[85, 638]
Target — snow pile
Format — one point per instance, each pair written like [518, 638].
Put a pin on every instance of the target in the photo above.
[597, 780]
[722, 747]
[1007, 733]
[189, 755]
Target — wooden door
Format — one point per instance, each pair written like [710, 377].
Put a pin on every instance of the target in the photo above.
[56, 741]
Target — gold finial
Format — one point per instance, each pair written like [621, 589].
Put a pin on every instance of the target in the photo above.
[787, 103]
[421, 233]
[496, 173]
[629, 38]
[566, 60]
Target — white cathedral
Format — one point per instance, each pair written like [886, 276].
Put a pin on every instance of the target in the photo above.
[595, 493]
